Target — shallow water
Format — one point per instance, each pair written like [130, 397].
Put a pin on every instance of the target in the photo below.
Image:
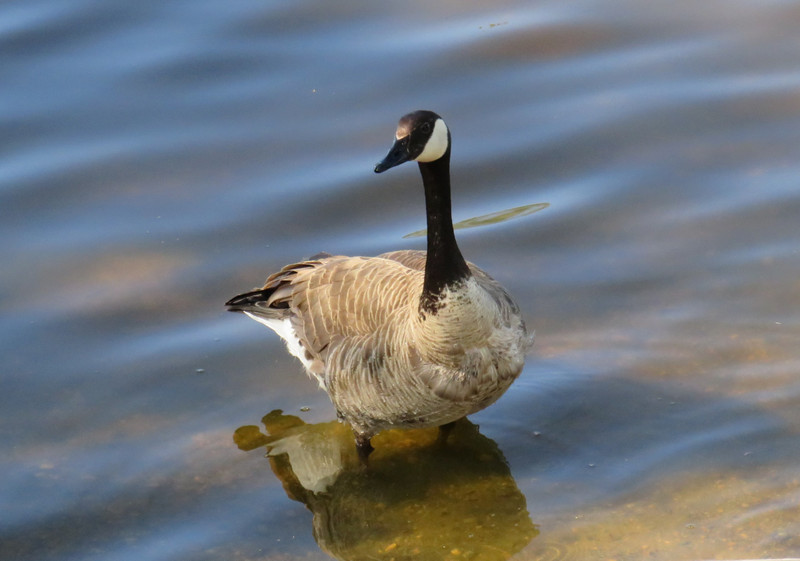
[159, 158]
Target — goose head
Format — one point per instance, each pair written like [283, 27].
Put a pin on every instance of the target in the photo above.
[421, 136]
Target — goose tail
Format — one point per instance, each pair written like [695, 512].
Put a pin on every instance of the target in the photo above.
[245, 302]
[261, 302]
[272, 300]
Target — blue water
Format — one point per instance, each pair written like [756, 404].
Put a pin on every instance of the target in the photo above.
[159, 158]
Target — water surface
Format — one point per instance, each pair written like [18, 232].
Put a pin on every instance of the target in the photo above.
[158, 159]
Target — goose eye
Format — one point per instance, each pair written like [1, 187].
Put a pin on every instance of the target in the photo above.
[426, 127]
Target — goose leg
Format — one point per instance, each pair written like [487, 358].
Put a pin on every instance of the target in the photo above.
[363, 447]
[444, 432]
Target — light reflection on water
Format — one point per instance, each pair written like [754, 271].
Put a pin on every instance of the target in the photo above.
[497, 217]
[159, 157]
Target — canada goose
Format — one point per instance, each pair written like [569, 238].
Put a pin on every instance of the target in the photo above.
[408, 338]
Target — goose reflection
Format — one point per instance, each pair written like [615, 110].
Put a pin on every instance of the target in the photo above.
[417, 500]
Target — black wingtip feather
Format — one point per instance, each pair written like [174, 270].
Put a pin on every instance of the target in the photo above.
[245, 302]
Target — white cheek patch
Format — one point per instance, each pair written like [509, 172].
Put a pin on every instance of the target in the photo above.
[436, 145]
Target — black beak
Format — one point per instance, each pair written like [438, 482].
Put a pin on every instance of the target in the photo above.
[396, 156]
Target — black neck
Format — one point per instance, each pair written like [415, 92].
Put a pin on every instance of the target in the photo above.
[444, 265]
